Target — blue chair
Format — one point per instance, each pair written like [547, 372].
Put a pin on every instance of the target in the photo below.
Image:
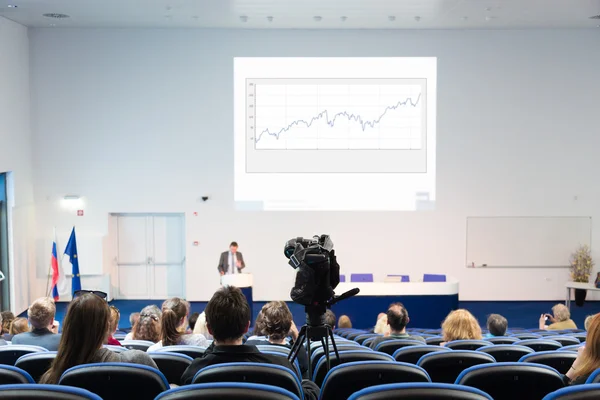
[361, 277]
[227, 391]
[526, 336]
[360, 339]
[412, 354]
[574, 347]
[296, 362]
[508, 381]
[506, 352]
[141, 345]
[540, 344]
[594, 377]
[116, 380]
[116, 349]
[564, 340]
[347, 356]
[172, 365]
[36, 391]
[247, 372]
[559, 360]
[273, 348]
[578, 392]
[420, 391]
[444, 367]
[390, 346]
[191, 351]
[434, 341]
[320, 352]
[10, 354]
[467, 344]
[346, 379]
[12, 375]
[36, 364]
[502, 340]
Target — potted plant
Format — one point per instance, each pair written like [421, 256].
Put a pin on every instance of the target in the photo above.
[581, 268]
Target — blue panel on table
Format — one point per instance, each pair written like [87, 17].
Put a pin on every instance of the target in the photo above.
[434, 278]
[403, 278]
[361, 278]
[342, 278]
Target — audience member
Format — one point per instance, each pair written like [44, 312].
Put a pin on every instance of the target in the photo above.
[192, 320]
[588, 357]
[228, 319]
[113, 325]
[396, 319]
[588, 320]
[330, 319]
[200, 327]
[174, 324]
[41, 317]
[560, 320]
[148, 326]
[133, 318]
[18, 325]
[85, 328]
[344, 322]
[460, 325]
[258, 333]
[7, 317]
[382, 327]
[497, 325]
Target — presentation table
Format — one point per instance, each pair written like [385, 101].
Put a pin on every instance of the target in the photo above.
[578, 285]
[428, 303]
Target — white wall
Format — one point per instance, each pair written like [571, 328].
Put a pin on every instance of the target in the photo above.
[142, 121]
[15, 155]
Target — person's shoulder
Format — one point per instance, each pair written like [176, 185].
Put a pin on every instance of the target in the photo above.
[137, 357]
[194, 339]
[155, 346]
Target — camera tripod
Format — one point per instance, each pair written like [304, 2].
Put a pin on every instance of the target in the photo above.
[308, 333]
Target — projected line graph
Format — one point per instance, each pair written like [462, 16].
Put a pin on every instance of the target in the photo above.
[335, 114]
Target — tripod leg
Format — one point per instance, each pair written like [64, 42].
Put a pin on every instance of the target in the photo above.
[330, 334]
[297, 345]
[327, 352]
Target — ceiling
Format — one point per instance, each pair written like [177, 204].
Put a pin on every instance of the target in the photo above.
[306, 14]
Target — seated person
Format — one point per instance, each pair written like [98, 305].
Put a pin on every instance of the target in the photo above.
[228, 319]
[277, 323]
[174, 324]
[18, 325]
[148, 325]
[192, 321]
[397, 319]
[330, 319]
[587, 322]
[344, 322]
[588, 357]
[497, 325]
[460, 325]
[6, 317]
[41, 317]
[84, 332]
[113, 325]
[133, 318]
[200, 327]
[560, 320]
[382, 327]
[258, 333]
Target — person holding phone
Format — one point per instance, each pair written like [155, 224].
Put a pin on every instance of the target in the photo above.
[561, 319]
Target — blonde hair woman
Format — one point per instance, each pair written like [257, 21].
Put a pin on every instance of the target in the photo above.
[460, 325]
[382, 327]
[588, 357]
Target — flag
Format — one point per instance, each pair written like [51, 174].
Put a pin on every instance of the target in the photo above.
[55, 271]
[71, 251]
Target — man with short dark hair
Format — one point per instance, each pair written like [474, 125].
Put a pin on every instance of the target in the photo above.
[397, 319]
[497, 325]
[227, 320]
[232, 261]
[41, 317]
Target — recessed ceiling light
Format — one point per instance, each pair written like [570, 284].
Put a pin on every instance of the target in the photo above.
[243, 18]
[12, 6]
[417, 18]
[317, 18]
[55, 15]
[343, 18]
[392, 17]
[270, 18]
[52, 25]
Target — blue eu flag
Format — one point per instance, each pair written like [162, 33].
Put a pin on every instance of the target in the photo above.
[71, 251]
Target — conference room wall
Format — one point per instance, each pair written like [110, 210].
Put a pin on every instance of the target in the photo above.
[15, 156]
[142, 121]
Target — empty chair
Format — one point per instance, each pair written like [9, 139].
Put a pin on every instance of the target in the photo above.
[434, 341]
[580, 336]
[227, 391]
[39, 392]
[573, 347]
[361, 338]
[36, 364]
[12, 375]
[353, 335]
[578, 392]
[192, 351]
[244, 372]
[420, 391]
[345, 357]
[117, 380]
[502, 340]
[367, 342]
[444, 367]
[390, 346]
[540, 344]
[346, 379]
[142, 345]
[116, 349]
[509, 381]
[526, 336]
[320, 352]
[564, 340]
[10, 354]
[172, 365]
[506, 352]
[559, 360]
[467, 344]
[412, 354]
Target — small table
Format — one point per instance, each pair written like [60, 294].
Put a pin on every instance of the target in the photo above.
[577, 285]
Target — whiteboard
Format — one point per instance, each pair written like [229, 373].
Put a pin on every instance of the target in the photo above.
[526, 242]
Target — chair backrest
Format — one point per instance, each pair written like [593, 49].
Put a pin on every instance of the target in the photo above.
[512, 380]
[246, 372]
[594, 377]
[36, 364]
[10, 354]
[344, 380]
[191, 351]
[390, 346]
[578, 392]
[352, 335]
[434, 341]
[412, 354]
[320, 352]
[506, 352]
[526, 336]
[564, 340]
[360, 339]
[559, 360]
[540, 344]
[227, 391]
[346, 356]
[12, 375]
[361, 277]
[502, 339]
[120, 336]
[444, 367]
[41, 392]
[580, 336]
[467, 344]
[573, 347]
[142, 345]
[367, 342]
[420, 391]
[271, 347]
[435, 332]
[172, 365]
[117, 380]
[116, 349]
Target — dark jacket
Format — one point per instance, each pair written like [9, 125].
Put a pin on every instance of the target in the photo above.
[302, 355]
[224, 262]
[38, 337]
[243, 353]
